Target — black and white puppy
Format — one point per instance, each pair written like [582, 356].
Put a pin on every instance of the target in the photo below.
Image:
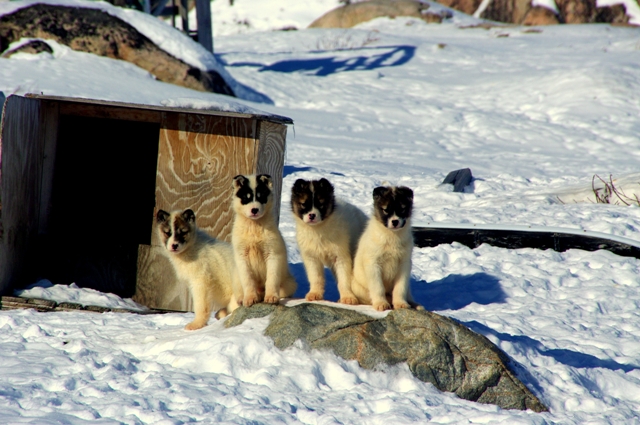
[382, 265]
[259, 249]
[327, 231]
[205, 263]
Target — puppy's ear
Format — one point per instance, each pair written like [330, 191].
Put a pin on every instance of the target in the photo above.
[265, 179]
[189, 216]
[379, 192]
[405, 192]
[238, 181]
[325, 184]
[162, 216]
[299, 186]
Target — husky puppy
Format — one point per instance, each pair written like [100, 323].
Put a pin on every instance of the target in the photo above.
[382, 265]
[327, 231]
[259, 250]
[204, 262]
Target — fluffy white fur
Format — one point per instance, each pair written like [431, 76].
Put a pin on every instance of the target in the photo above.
[206, 264]
[331, 243]
[259, 249]
[382, 266]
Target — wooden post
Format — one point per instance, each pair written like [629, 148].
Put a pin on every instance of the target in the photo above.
[205, 32]
[184, 14]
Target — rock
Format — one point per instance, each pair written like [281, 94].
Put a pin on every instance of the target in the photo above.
[539, 15]
[33, 47]
[353, 14]
[521, 12]
[437, 349]
[465, 6]
[95, 31]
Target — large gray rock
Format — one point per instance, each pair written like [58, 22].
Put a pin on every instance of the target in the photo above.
[437, 349]
[94, 31]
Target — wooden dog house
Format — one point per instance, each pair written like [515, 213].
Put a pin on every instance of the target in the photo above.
[81, 181]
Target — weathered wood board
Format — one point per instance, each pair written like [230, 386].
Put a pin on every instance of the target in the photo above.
[21, 147]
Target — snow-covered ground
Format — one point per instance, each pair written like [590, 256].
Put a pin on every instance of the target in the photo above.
[533, 114]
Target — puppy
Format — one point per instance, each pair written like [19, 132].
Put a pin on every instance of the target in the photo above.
[327, 231]
[259, 250]
[382, 265]
[205, 263]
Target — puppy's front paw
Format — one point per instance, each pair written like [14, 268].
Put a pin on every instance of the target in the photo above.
[194, 326]
[250, 300]
[382, 306]
[351, 300]
[314, 296]
[400, 304]
[271, 299]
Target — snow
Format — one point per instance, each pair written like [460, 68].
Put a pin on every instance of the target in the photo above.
[534, 115]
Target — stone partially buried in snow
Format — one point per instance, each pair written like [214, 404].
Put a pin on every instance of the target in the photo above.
[437, 349]
[95, 31]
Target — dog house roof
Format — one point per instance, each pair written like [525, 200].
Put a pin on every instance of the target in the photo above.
[207, 109]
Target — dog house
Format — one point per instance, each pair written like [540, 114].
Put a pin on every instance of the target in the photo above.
[81, 181]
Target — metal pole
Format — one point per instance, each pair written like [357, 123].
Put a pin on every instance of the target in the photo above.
[203, 16]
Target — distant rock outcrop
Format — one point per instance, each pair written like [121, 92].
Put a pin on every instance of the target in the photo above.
[508, 11]
[437, 349]
[95, 31]
[355, 13]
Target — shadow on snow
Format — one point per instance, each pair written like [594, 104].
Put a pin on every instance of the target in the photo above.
[458, 291]
[561, 355]
[391, 56]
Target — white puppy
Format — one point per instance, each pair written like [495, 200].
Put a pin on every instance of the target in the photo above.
[259, 249]
[204, 262]
[327, 231]
[382, 265]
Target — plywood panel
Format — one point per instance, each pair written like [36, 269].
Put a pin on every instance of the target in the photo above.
[153, 269]
[198, 157]
[270, 158]
[21, 148]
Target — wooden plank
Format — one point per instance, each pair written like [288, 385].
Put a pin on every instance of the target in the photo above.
[157, 285]
[109, 112]
[198, 157]
[516, 239]
[22, 152]
[270, 159]
[41, 305]
[50, 134]
[210, 111]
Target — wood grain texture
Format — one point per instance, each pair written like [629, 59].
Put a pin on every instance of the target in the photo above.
[157, 285]
[198, 157]
[50, 113]
[21, 148]
[109, 112]
[270, 159]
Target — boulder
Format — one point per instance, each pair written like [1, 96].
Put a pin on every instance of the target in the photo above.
[437, 349]
[32, 47]
[539, 15]
[95, 31]
[350, 15]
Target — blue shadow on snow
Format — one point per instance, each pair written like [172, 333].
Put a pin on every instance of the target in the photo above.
[391, 56]
[561, 355]
[458, 291]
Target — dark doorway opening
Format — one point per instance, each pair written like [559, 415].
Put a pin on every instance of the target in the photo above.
[102, 203]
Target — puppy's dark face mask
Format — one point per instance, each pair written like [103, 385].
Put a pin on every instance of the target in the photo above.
[252, 194]
[176, 230]
[392, 206]
[312, 201]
